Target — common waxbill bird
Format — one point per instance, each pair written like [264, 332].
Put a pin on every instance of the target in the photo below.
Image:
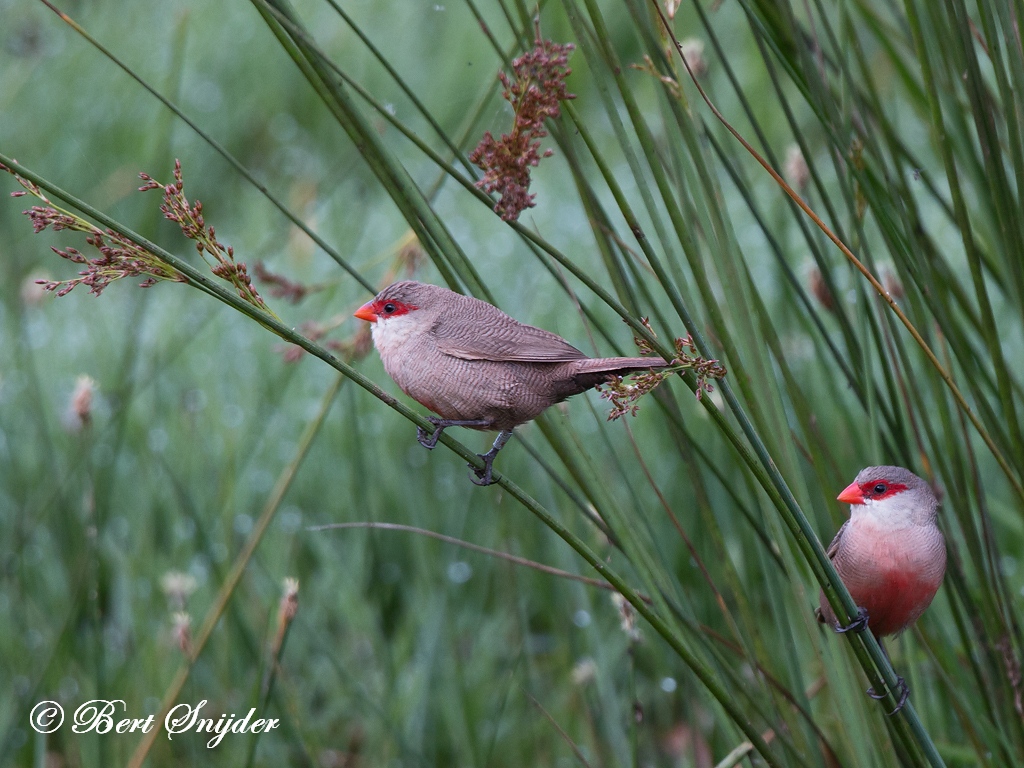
[890, 554]
[474, 366]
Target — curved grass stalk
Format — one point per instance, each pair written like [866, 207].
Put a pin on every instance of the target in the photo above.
[872, 280]
[199, 280]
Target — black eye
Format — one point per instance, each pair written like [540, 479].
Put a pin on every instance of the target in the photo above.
[880, 488]
[390, 307]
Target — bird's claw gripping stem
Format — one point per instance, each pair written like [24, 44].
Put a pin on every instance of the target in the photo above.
[857, 625]
[429, 441]
[901, 687]
[483, 475]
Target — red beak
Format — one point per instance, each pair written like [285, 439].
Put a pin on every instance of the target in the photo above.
[851, 494]
[366, 313]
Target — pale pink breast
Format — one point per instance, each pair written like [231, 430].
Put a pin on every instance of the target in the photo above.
[892, 573]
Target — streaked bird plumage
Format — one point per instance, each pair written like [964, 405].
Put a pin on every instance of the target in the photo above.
[467, 361]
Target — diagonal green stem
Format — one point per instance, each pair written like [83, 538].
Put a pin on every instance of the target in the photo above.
[703, 672]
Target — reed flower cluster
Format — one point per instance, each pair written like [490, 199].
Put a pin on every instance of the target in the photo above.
[118, 256]
[121, 257]
[189, 217]
[534, 90]
[625, 397]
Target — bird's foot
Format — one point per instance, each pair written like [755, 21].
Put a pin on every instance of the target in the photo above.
[901, 688]
[857, 625]
[484, 474]
[428, 441]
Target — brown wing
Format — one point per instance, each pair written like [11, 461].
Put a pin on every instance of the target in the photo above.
[481, 331]
[833, 548]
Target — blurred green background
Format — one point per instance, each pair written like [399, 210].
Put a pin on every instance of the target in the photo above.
[118, 532]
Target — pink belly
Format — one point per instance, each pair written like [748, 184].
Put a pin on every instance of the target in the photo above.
[894, 600]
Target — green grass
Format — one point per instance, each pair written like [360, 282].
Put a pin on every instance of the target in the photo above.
[410, 650]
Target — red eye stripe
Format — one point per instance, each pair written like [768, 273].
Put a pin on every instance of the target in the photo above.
[385, 308]
[868, 489]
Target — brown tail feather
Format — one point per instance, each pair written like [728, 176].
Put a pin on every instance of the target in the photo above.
[592, 372]
[620, 366]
